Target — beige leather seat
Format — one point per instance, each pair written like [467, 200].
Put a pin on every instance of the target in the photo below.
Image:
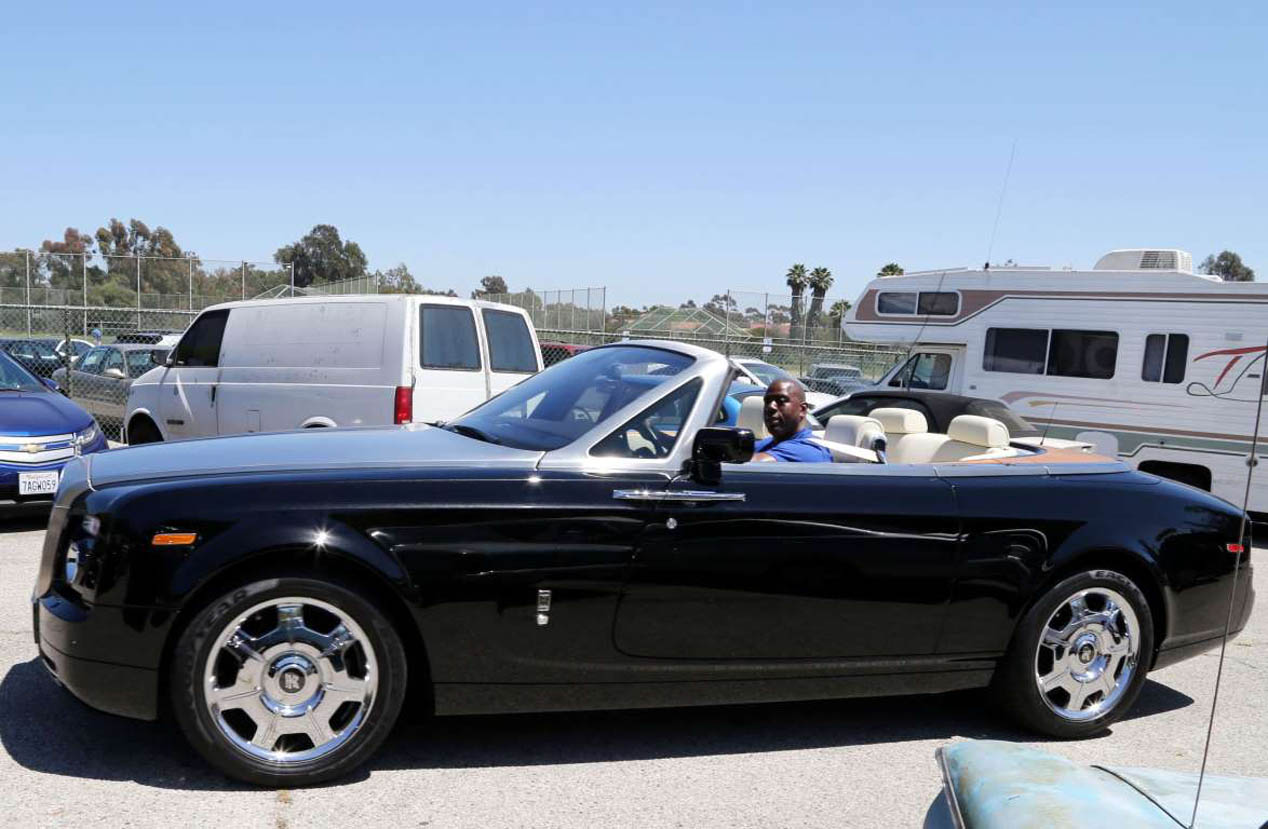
[969, 437]
[903, 427]
[751, 416]
[853, 430]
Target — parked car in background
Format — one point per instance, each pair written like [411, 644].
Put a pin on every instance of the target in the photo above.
[40, 430]
[588, 539]
[553, 352]
[319, 362]
[35, 355]
[834, 379]
[101, 380]
[71, 350]
[761, 373]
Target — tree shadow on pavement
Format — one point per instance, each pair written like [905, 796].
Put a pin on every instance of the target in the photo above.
[43, 728]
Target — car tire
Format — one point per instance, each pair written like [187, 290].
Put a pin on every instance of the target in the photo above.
[288, 682]
[142, 431]
[1078, 658]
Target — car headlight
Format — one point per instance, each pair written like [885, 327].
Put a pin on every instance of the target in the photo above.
[85, 436]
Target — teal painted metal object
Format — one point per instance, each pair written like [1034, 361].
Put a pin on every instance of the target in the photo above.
[991, 785]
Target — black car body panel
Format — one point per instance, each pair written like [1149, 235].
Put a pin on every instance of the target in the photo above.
[823, 581]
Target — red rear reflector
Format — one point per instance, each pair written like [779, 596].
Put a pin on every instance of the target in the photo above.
[1235, 548]
[173, 539]
[403, 410]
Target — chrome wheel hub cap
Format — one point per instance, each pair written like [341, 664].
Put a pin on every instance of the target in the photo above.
[290, 680]
[1087, 654]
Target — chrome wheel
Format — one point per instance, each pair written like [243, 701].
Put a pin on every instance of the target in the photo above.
[1087, 654]
[290, 680]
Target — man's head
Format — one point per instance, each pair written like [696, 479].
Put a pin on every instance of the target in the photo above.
[785, 409]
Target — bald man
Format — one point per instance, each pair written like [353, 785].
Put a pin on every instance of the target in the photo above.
[790, 436]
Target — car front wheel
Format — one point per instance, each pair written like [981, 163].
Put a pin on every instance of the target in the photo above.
[1079, 656]
[288, 681]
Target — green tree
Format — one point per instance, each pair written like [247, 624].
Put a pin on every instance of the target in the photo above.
[60, 262]
[820, 282]
[492, 285]
[838, 311]
[892, 269]
[397, 280]
[797, 280]
[321, 256]
[1227, 266]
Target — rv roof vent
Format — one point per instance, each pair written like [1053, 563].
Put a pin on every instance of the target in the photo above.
[1137, 259]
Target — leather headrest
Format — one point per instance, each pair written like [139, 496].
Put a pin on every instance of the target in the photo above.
[901, 421]
[979, 431]
[751, 416]
[853, 430]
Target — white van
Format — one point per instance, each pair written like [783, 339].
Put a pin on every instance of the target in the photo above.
[278, 364]
[1138, 356]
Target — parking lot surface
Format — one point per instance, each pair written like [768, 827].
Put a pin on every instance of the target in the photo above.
[839, 763]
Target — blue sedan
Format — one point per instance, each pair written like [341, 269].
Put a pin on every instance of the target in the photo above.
[40, 430]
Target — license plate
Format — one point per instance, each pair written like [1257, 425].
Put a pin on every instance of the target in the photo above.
[37, 483]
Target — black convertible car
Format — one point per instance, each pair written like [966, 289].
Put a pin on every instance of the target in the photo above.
[589, 539]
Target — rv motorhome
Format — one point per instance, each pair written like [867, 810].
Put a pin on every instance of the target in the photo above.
[1139, 356]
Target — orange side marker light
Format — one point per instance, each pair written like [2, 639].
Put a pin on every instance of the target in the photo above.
[173, 539]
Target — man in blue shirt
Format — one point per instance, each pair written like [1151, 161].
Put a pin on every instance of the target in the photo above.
[790, 437]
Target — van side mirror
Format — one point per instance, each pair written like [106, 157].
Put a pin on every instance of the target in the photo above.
[716, 445]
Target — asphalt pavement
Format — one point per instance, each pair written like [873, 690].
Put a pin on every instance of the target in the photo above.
[839, 763]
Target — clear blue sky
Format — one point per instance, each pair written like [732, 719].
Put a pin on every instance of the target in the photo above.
[663, 150]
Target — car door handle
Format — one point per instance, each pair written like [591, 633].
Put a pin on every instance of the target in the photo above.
[675, 495]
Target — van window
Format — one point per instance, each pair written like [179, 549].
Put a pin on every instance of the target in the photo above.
[510, 344]
[939, 303]
[201, 344]
[448, 338]
[1166, 356]
[1083, 354]
[893, 303]
[1017, 350]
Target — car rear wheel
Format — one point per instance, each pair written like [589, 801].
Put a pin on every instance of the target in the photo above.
[288, 681]
[1079, 656]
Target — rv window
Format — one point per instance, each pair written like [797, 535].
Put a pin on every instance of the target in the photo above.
[449, 338]
[510, 344]
[889, 303]
[1177, 358]
[1155, 347]
[1083, 354]
[940, 303]
[1018, 350]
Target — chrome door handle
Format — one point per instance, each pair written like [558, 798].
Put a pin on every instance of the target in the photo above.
[676, 495]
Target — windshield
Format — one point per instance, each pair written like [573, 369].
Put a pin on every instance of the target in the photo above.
[15, 378]
[766, 372]
[555, 407]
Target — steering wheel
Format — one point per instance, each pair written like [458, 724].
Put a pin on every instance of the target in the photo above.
[579, 413]
[654, 438]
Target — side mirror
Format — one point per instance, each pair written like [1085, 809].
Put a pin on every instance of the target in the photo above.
[114, 374]
[716, 445]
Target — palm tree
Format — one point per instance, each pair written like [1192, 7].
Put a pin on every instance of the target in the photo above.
[797, 280]
[820, 282]
[892, 269]
[838, 311]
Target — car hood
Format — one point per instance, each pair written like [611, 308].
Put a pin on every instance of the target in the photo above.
[40, 413]
[396, 447]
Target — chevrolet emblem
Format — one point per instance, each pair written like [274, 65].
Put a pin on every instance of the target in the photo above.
[32, 448]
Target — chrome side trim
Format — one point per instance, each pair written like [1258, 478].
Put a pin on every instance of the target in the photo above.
[679, 495]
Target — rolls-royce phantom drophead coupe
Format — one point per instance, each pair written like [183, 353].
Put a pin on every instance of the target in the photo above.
[590, 538]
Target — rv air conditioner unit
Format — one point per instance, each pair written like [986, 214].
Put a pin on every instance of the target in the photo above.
[1143, 259]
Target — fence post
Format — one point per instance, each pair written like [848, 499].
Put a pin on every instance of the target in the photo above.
[138, 292]
[292, 264]
[603, 314]
[726, 329]
[244, 280]
[28, 292]
[191, 283]
[84, 265]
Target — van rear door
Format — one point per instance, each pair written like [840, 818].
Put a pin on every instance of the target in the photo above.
[450, 375]
[513, 351]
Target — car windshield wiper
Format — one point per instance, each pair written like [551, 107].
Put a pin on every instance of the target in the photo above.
[471, 432]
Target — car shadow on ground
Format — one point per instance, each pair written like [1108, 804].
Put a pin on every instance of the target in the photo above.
[44, 729]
